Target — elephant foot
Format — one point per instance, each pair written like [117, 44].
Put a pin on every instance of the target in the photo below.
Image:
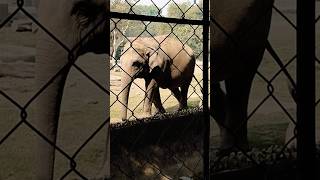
[182, 108]
[240, 146]
[145, 115]
[159, 111]
[226, 151]
[292, 145]
[290, 137]
[230, 141]
[124, 120]
[231, 146]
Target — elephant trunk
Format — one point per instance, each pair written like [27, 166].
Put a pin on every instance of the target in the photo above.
[47, 107]
[126, 82]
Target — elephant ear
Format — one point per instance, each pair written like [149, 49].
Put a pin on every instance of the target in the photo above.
[155, 58]
[149, 51]
[86, 12]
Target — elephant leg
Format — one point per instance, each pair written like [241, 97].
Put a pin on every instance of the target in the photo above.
[184, 96]
[157, 101]
[234, 133]
[151, 85]
[218, 109]
[290, 136]
[104, 171]
[218, 99]
[177, 94]
[181, 96]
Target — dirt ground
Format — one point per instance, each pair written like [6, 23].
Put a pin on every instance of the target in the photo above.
[82, 110]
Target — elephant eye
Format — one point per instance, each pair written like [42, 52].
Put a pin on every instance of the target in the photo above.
[136, 64]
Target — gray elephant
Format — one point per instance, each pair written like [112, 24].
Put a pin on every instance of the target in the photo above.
[240, 32]
[69, 22]
[163, 62]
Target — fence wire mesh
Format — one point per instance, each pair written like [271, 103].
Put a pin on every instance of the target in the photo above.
[276, 75]
[171, 151]
[23, 18]
[179, 45]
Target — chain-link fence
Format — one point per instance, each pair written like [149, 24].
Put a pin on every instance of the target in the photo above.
[161, 41]
[27, 147]
[159, 55]
[277, 70]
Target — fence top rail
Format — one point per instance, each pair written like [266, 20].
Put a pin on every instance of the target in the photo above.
[118, 15]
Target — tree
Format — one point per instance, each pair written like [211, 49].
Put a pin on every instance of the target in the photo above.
[121, 29]
[118, 28]
[189, 34]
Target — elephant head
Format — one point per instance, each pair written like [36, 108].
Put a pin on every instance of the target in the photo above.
[90, 15]
[69, 29]
[137, 61]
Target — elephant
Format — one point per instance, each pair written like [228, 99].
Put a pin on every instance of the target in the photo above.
[163, 62]
[238, 41]
[69, 22]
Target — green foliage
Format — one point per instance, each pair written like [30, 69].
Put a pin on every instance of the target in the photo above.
[148, 10]
[185, 10]
[135, 27]
[191, 35]
[120, 6]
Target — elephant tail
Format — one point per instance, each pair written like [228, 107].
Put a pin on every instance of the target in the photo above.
[201, 89]
[290, 82]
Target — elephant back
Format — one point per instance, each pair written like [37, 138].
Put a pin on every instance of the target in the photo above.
[181, 59]
[238, 46]
[238, 18]
[171, 47]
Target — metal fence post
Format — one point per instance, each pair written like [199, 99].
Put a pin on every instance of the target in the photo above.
[306, 88]
[108, 145]
[206, 138]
